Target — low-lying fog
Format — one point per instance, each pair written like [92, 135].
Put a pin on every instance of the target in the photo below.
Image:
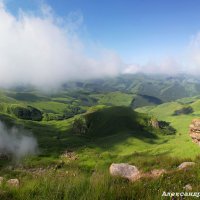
[16, 141]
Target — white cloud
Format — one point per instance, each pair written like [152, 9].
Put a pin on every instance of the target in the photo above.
[164, 66]
[46, 50]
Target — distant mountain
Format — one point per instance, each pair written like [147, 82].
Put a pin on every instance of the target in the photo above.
[146, 89]
[135, 90]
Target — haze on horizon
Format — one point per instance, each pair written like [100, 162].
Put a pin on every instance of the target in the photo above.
[46, 43]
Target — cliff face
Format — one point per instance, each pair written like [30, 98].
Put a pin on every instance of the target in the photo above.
[195, 131]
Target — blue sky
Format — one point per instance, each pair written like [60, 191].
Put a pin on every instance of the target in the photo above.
[138, 30]
[50, 41]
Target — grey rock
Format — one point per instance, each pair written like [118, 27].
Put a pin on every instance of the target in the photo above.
[185, 165]
[125, 170]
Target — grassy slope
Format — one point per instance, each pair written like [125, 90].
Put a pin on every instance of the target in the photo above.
[114, 98]
[180, 145]
[87, 177]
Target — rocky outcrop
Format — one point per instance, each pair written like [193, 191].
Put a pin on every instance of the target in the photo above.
[195, 131]
[185, 165]
[154, 123]
[125, 170]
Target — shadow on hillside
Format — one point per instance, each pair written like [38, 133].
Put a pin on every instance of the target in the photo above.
[23, 96]
[53, 141]
[126, 138]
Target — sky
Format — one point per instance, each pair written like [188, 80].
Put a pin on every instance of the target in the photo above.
[94, 38]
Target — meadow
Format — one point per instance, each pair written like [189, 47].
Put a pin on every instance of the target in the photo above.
[115, 136]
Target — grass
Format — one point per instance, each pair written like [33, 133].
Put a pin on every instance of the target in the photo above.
[117, 134]
[114, 98]
[74, 183]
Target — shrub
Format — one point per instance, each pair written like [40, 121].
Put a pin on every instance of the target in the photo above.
[80, 126]
[183, 111]
[28, 113]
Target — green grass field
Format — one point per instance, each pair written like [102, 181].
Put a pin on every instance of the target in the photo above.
[116, 134]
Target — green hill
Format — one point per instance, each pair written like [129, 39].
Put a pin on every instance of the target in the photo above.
[113, 120]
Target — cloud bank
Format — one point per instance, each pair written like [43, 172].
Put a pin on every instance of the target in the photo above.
[168, 66]
[16, 142]
[45, 50]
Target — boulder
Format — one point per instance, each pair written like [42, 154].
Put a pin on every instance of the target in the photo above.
[125, 170]
[185, 165]
[13, 182]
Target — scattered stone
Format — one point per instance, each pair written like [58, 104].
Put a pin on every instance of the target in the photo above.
[188, 187]
[158, 172]
[59, 165]
[13, 182]
[185, 165]
[132, 173]
[69, 155]
[1, 180]
[36, 171]
[125, 170]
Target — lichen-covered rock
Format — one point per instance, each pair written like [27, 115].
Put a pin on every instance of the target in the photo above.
[125, 170]
[185, 165]
[13, 182]
[195, 131]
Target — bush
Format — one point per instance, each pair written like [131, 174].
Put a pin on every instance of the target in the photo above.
[52, 116]
[72, 111]
[27, 113]
[166, 128]
[80, 126]
[183, 111]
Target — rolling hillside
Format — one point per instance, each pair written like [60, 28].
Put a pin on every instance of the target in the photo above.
[113, 133]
